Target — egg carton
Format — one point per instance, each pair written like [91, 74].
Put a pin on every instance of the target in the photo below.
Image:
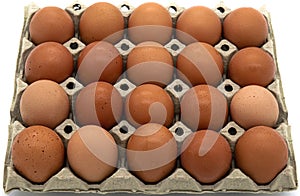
[122, 180]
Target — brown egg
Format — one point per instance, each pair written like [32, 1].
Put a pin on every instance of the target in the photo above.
[92, 153]
[254, 105]
[252, 65]
[51, 24]
[199, 23]
[49, 60]
[150, 22]
[261, 153]
[245, 27]
[206, 155]
[99, 103]
[37, 153]
[150, 62]
[151, 153]
[204, 107]
[200, 63]
[101, 21]
[149, 103]
[99, 61]
[44, 102]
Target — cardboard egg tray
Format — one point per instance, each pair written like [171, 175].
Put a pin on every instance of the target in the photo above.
[122, 180]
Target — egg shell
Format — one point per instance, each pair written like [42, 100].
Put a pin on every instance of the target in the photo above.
[149, 103]
[198, 23]
[200, 63]
[261, 153]
[49, 60]
[37, 153]
[252, 66]
[204, 107]
[51, 24]
[150, 22]
[245, 27]
[254, 105]
[151, 153]
[92, 153]
[101, 21]
[206, 155]
[99, 61]
[98, 103]
[44, 102]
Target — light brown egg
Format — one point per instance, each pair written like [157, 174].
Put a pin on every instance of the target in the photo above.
[149, 103]
[199, 23]
[252, 65]
[261, 153]
[150, 62]
[38, 153]
[49, 60]
[245, 27]
[151, 153]
[92, 153]
[200, 63]
[150, 22]
[98, 103]
[206, 155]
[44, 102]
[204, 107]
[101, 21]
[254, 105]
[99, 61]
[51, 24]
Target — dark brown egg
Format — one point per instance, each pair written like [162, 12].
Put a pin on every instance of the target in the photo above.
[204, 107]
[252, 65]
[51, 24]
[38, 153]
[245, 27]
[151, 153]
[44, 102]
[150, 22]
[101, 21]
[49, 60]
[149, 103]
[99, 103]
[261, 153]
[99, 61]
[199, 23]
[200, 63]
[92, 153]
[206, 155]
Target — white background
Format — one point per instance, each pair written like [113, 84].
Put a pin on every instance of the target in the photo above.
[285, 20]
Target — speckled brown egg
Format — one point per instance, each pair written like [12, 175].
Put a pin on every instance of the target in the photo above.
[150, 22]
[261, 153]
[200, 63]
[149, 103]
[206, 155]
[92, 153]
[99, 61]
[245, 27]
[150, 62]
[37, 153]
[204, 107]
[151, 153]
[44, 102]
[51, 24]
[49, 60]
[98, 103]
[252, 65]
[101, 21]
[254, 105]
[199, 23]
